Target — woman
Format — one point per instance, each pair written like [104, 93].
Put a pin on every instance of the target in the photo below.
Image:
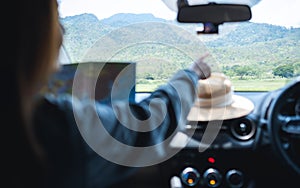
[45, 147]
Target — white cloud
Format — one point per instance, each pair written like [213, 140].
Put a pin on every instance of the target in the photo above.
[277, 12]
[106, 8]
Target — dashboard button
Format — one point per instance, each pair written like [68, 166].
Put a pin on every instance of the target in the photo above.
[235, 178]
[212, 177]
[190, 176]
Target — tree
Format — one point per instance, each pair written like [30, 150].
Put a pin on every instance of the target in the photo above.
[284, 71]
[243, 71]
[297, 69]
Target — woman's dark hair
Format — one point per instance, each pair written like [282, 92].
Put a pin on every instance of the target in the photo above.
[28, 44]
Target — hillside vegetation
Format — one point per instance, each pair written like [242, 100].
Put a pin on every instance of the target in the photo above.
[160, 47]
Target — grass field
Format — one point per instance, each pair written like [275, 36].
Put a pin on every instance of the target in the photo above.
[258, 85]
[239, 85]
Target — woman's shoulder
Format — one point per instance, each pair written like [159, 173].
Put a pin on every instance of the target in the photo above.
[54, 101]
[51, 110]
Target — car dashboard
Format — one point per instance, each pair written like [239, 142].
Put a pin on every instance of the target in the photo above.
[241, 155]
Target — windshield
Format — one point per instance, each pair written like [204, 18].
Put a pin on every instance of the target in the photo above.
[262, 54]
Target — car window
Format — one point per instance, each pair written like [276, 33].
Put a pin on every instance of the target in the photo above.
[262, 54]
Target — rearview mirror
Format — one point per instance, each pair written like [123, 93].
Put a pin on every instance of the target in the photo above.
[212, 13]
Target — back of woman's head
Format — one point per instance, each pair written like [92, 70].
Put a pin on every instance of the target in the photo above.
[31, 50]
[36, 43]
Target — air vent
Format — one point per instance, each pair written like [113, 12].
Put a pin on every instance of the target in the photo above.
[243, 129]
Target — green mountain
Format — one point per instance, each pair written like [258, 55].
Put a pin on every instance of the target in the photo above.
[248, 33]
[82, 31]
[132, 37]
[124, 19]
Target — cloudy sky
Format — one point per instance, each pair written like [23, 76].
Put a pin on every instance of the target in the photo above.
[276, 12]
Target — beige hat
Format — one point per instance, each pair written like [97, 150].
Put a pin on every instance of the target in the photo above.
[217, 101]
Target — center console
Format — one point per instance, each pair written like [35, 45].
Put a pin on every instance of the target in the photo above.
[226, 162]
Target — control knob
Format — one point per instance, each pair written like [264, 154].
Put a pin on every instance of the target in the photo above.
[190, 176]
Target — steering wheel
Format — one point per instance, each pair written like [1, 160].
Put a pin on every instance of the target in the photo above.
[284, 124]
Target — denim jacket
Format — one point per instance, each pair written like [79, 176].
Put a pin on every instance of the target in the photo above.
[90, 144]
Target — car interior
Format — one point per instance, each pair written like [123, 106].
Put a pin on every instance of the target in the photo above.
[139, 44]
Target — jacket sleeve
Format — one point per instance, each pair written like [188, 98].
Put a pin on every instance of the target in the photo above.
[114, 138]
